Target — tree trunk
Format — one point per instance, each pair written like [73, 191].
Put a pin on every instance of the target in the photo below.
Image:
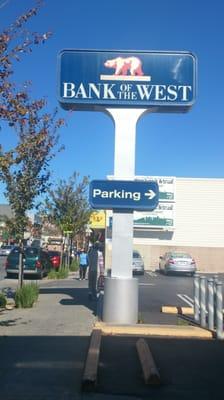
[20, 276]
[62, 253]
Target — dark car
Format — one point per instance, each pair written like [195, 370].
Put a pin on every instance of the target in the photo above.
[36, 262]
[178, 262]
[55, 257]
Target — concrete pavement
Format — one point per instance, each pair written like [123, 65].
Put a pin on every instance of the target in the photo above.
[43, 352]
[43, 349]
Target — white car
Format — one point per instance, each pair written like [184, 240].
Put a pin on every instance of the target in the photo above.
[177, 262]
[137, 263]
[5, 250]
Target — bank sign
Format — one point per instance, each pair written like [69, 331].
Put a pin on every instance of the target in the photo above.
[92, 80]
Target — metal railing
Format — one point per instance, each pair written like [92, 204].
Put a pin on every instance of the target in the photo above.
[208, 303]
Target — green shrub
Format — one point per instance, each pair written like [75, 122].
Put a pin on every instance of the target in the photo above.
[52, 274]
[62, 273]
[74, 265]
[26, 296]
[3, 300]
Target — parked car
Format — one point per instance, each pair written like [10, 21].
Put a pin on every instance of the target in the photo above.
[55, 257]
[36, 243]
[137, 263]
[5, 249]
[179, 262]
[35, 260]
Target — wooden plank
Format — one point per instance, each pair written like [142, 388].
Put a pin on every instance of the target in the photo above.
[150, 371]
[91, 366]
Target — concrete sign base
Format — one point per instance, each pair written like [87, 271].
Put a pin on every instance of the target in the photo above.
[120, 303]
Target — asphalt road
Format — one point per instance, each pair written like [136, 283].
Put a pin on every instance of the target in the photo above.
[158, 290]
[155, 290]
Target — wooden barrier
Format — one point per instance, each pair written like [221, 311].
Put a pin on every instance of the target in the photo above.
[89, 379]
[150, 372]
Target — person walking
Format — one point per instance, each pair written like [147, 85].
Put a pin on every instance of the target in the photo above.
[96, 269]
[83, 264]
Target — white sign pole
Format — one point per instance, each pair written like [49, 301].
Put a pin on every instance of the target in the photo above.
[122, 307]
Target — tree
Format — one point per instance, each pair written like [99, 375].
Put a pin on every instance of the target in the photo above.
[24, 169]
[11, 229]
[67, 205]
[14, 42]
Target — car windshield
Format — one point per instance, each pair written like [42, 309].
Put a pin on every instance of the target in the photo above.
[31, 252]
[136, 254]
[36, 243]
[6, 247]
[180, 255]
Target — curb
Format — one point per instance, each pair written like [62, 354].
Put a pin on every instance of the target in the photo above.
[154, 330]
[177, 310]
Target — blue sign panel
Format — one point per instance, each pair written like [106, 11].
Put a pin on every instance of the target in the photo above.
[129, 195]
[91, 79]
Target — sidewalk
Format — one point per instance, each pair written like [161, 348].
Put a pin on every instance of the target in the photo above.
[43, 352]
[43, 349]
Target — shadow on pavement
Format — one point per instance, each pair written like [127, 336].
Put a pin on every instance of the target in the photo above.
[189, 369]
[77, 296]
[9, 322]
[43, 368]
[51, 368]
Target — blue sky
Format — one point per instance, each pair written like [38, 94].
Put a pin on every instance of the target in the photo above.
[182, 145]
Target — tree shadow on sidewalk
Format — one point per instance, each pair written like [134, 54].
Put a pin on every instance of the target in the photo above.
[77, 297]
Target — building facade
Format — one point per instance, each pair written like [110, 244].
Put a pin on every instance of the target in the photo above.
[195, 224]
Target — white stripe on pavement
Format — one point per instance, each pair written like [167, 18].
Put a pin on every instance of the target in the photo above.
[146, 284]
[189, 298]
[186, 298]
[151, 273]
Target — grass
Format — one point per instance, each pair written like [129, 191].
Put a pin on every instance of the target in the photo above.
[62, 273]
[3, 300]
[140, 318]
[74, 265]
[182, 321]
[26, 296]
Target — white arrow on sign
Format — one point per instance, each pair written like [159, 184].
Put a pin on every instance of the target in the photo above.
[150, 194]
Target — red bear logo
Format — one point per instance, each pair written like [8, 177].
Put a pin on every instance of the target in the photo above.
[123, 65]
